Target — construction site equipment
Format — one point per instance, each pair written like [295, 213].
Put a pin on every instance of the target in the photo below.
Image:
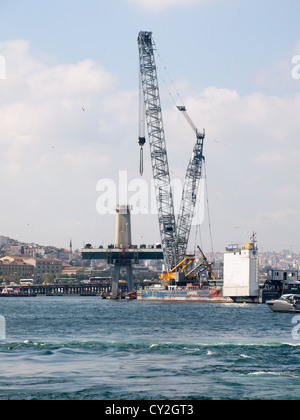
[174, 235]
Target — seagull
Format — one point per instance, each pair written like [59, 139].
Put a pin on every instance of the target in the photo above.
[82, 109]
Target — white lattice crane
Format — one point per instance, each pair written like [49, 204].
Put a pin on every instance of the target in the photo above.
[174, 236]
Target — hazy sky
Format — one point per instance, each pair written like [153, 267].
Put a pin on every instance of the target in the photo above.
[69, 115]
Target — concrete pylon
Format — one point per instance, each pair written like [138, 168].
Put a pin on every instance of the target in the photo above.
[123, 227]
[122, 242]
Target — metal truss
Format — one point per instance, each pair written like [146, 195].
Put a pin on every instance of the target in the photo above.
[158, 151]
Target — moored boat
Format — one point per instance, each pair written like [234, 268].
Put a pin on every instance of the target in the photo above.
[19, 292]
[286, 303]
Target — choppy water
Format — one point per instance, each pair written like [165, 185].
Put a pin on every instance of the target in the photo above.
[87, 348]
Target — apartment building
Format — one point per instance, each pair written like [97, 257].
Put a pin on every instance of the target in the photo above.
[23, 267]
[15, 268]
[44, 266]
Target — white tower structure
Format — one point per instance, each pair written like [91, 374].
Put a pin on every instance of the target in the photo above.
[241, 272]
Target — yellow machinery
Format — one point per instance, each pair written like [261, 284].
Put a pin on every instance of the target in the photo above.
[179, 268]
[184, 268]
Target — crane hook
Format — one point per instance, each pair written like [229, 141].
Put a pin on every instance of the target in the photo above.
[142, 141]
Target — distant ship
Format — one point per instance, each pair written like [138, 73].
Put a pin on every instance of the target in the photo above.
[11, 292]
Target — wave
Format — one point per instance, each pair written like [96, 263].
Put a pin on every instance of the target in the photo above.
[272, 373]
[90, 345]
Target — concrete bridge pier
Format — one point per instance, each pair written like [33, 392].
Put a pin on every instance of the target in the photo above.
[122, 241]
[116, 278]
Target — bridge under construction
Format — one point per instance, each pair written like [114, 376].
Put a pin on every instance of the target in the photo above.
[174, 233]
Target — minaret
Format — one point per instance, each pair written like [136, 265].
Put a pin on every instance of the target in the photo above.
[71, 251]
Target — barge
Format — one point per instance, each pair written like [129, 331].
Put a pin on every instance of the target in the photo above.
[190, 292]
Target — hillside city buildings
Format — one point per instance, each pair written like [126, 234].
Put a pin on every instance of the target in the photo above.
[43, 264]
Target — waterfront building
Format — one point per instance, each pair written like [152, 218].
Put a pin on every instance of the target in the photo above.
[45, 266]
[23, 267]
[15, 268]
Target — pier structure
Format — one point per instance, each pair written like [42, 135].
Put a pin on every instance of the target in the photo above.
[122, 254]
[66, 289]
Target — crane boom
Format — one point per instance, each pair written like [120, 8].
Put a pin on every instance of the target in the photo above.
[190, 190]
[187, 117]
[158, 151]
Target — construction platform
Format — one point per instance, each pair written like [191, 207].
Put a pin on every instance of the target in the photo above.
[119, 255]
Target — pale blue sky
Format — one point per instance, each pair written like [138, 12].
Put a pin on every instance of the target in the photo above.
[231, 60]
[223, 43]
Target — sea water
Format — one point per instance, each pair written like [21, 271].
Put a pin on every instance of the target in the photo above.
[88, 348]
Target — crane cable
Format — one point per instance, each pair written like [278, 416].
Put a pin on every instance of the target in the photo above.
[205, 176]
[198, 229]
[170, 79]
[208, 211]
[198, 223]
